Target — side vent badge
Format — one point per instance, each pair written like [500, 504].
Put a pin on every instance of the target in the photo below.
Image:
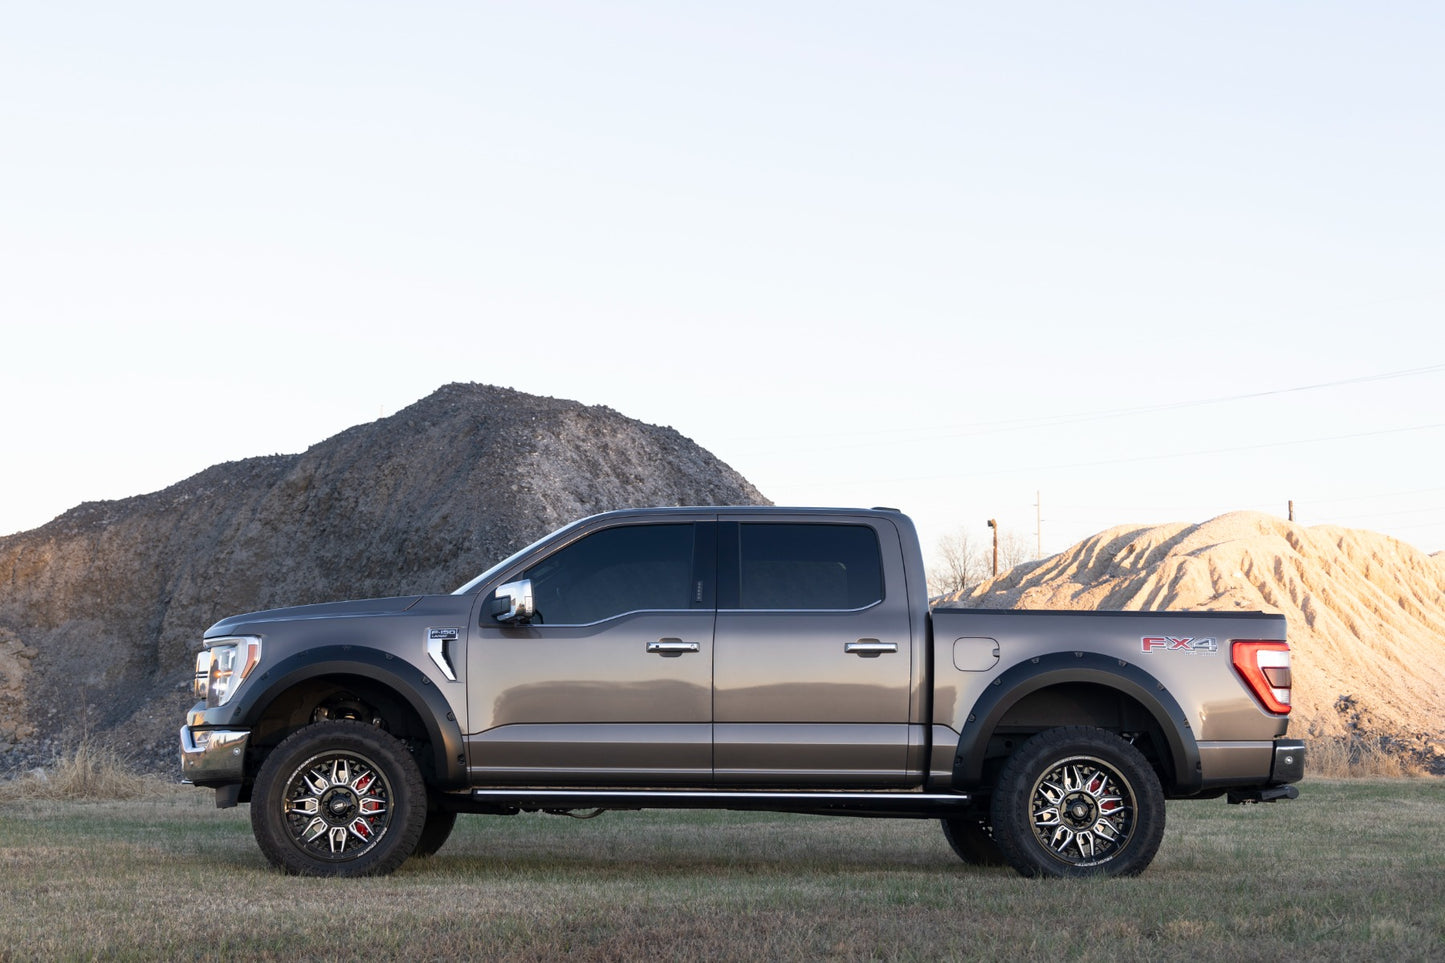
[436, 647]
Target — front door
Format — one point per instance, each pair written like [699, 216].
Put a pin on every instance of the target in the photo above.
[611, 683]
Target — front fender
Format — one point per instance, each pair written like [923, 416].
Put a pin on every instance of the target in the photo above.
[1077, 667]
[407, 681]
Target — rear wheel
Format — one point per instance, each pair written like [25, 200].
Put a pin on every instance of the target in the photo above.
[338, 799]
[1078, 801]
[972, 839]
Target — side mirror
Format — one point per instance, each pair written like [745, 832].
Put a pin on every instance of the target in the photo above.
[512, 603]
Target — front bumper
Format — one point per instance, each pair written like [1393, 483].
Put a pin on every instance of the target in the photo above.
[213, 757]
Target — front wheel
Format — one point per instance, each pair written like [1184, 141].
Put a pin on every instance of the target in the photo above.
[338, 799]
[1078, 801]
[434, 834]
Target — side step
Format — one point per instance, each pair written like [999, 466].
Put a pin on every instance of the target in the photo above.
[895, 804]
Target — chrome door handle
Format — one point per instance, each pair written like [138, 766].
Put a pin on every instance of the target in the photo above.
[671, 647]
[869, 648]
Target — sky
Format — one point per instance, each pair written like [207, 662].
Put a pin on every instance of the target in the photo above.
[1063, 265]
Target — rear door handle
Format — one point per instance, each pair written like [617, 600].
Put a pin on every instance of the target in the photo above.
[671, 648]
[869, 648]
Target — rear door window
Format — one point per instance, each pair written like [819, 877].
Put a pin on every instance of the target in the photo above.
[806, 567]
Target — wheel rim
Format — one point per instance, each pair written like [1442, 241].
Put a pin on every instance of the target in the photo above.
[337, 806]
[1083, 811]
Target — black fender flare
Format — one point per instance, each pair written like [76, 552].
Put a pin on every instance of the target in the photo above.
[1093, 668]
[409, 682]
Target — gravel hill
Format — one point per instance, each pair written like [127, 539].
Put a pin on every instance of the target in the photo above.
[102, 609]
[1366, 612]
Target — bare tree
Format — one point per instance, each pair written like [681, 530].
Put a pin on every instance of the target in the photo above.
[1013, 549]
[959, 565]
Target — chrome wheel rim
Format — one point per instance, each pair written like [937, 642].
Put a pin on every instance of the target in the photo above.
[1082, 810]
[337, 805]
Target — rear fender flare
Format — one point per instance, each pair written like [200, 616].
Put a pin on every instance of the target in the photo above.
[1092, 668]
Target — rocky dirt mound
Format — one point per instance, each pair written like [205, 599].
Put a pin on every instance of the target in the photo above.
[102, 609]
[1366, 613]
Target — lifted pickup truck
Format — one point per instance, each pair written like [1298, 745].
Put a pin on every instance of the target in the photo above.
[735, 658]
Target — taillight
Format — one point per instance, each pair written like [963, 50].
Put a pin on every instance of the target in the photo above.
[1264, 667]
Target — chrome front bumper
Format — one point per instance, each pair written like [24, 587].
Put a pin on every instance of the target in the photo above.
[212, 757]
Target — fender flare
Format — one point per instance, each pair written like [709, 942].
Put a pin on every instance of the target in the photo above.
[1093, 668]
[409, 682]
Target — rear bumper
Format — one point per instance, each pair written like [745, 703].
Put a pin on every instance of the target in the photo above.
[1288, 767]
[1266, 762]
[213, 757]
[1289, 762]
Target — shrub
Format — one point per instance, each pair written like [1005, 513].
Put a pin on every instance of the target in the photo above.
[1356, 757]
[89, 772]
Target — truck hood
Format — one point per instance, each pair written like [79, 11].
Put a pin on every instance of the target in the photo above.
[325, 610]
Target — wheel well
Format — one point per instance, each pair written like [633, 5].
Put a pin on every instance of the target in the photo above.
[1078, 704]
[338, 697]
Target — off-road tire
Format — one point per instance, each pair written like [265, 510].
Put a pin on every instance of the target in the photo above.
[972, 839]
[435, 832]
[338, 798]
[1078, 801]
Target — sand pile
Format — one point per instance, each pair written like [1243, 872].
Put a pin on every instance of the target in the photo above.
[1366, 612]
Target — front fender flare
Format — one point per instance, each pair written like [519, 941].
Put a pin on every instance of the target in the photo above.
[409, 682]
[1092, 668]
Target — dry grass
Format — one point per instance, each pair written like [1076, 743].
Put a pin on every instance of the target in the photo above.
[1351, 870]
[89, 772]
[1356, 757]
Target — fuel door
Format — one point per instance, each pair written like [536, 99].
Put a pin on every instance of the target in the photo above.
[975, 654]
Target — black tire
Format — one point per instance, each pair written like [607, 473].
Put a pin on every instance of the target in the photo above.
[1078, 801]
[338, 798]
[972, 839]
[435, 832]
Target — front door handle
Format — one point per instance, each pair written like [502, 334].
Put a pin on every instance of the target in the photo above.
[869, 648]
[671, 648]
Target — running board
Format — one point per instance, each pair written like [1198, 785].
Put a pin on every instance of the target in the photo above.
[895, 804]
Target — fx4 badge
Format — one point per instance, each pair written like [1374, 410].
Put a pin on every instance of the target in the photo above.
[1160, 643]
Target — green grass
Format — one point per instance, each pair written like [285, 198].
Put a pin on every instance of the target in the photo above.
[1353, 869]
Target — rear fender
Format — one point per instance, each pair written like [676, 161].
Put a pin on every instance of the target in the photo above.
[1090, 668]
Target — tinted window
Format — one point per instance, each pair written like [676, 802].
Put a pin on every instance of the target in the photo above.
[809, 567]
[614, 571]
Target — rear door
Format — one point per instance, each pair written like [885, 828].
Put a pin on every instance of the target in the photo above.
[812, 663]
[612, 681]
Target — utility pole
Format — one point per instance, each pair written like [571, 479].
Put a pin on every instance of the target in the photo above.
[1291, 509]
[993, 524]
[1039, 522]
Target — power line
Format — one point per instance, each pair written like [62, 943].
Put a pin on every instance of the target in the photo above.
[1284, 443]
[1361, 498]
[1050, 421]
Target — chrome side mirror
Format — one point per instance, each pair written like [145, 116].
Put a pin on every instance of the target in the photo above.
[512, 604]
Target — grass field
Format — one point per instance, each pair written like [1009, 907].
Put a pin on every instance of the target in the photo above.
[1352, 870]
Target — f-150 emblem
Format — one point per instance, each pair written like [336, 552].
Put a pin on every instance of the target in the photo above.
[1162, 643]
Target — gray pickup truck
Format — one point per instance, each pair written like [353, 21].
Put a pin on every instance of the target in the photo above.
[734, 658]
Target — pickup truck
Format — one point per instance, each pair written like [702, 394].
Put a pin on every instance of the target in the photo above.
[774, 659]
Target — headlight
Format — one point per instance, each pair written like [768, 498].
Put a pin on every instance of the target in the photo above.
[223, 666]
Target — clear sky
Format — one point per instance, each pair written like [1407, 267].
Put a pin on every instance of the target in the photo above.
[950, 257]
